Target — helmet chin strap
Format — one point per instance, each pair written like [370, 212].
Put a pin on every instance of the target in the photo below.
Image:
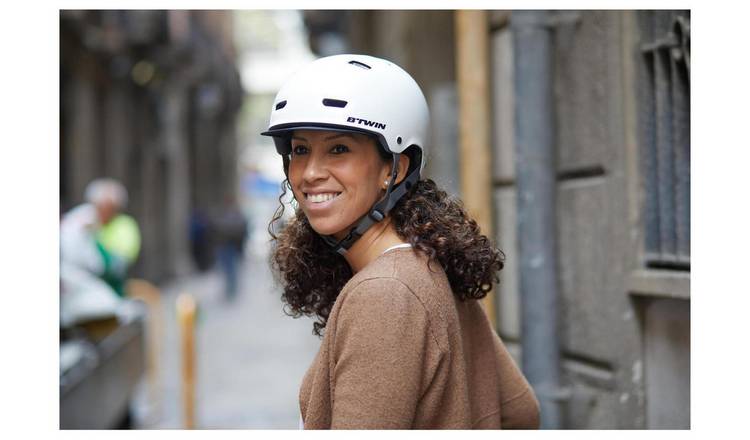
[378, 211]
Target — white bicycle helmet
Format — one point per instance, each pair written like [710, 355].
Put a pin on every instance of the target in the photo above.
[356, 93]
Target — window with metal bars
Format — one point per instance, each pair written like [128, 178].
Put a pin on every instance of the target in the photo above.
[664, 125]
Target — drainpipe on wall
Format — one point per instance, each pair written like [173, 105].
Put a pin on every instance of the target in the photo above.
[536, 218]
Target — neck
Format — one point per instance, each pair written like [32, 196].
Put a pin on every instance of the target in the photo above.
[375, 240]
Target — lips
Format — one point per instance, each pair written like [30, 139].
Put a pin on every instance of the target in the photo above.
[320, 201]
[321, 197]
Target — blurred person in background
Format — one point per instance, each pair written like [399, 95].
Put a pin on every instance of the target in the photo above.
[388, 263]
[200, 240]
[98, 243]
[230, 230]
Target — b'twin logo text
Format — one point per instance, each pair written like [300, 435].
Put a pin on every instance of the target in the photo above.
[366, 122]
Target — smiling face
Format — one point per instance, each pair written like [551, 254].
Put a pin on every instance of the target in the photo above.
[336, 177]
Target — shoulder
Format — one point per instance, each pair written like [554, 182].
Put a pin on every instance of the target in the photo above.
[382, 318]
[381, 294]
[403, 276]
[82, 216]
[399, 289]
[414, 270]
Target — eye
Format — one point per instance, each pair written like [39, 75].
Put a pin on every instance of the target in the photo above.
[339, 149]
[298, 150]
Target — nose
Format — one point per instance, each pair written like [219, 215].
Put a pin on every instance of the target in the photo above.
[315, 168]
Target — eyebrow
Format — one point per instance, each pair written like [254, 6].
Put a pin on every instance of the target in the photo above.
[335, 136]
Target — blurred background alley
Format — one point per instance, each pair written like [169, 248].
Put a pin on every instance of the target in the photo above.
[246, 377]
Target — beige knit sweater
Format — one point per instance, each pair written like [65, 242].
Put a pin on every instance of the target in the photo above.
[401, 352]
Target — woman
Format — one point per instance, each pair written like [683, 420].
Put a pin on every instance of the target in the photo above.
[389, 264]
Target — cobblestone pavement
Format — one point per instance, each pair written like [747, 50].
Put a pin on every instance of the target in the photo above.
[250, 356]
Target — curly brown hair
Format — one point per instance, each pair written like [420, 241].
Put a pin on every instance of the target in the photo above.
[312, 274]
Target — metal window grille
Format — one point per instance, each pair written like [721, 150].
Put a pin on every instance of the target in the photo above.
[664, 120]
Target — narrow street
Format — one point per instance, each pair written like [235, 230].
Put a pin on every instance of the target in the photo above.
[250, 356]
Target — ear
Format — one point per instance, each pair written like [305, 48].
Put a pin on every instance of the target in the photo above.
[401, 168]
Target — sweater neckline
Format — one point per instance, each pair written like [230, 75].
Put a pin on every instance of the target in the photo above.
[397, 246]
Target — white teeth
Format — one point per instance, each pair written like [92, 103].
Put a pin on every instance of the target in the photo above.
[319, 198]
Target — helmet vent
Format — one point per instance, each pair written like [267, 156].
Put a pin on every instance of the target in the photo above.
[334, 103]
[358, 64]
[281, 105]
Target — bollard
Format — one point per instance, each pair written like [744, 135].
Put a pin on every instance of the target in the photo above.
[186, 309]
[148, 293]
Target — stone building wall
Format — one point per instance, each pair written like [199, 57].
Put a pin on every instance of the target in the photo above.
[625, 350]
